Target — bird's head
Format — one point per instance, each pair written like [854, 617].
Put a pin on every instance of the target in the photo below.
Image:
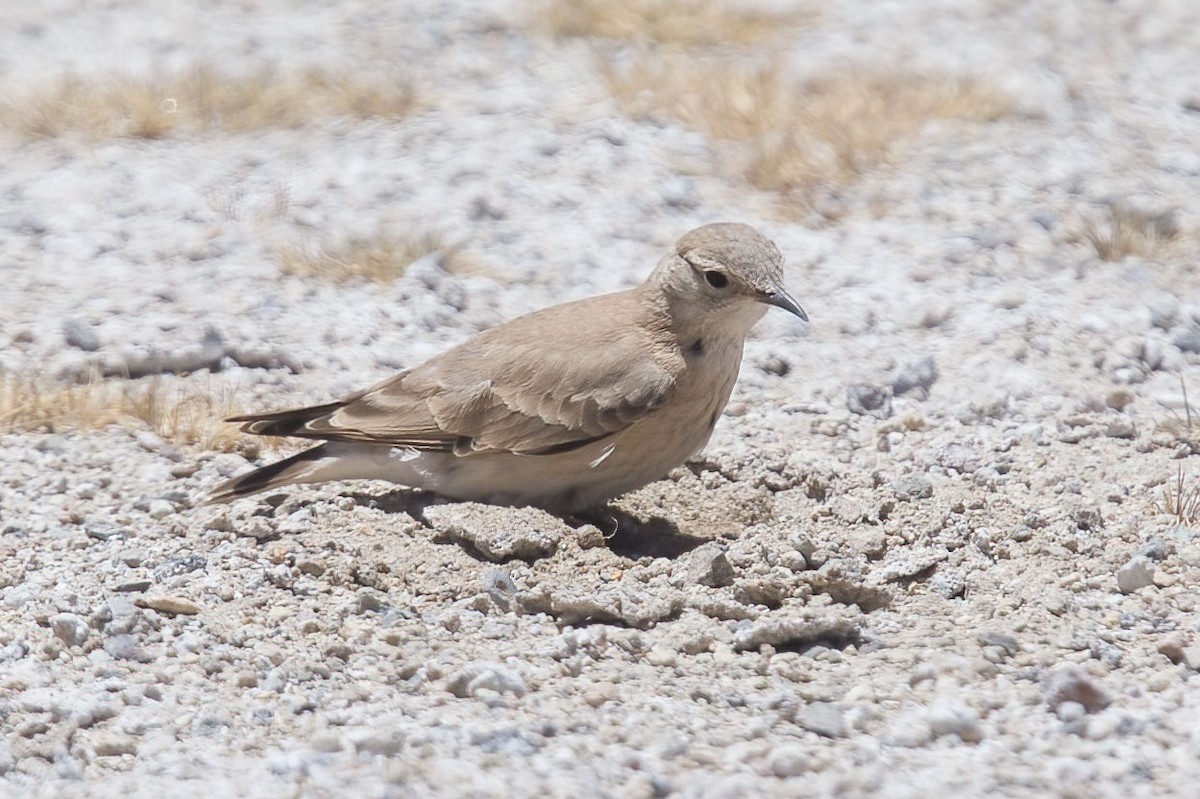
[724, 274]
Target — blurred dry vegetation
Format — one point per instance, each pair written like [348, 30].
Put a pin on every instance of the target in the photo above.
[181, 411]
[697, 23]
[380, 258]
[799, 135]
[1181, 499]
[200, 99]
[719, 68]
[1122, 230]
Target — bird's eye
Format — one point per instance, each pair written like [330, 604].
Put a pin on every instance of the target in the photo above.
[717, 280]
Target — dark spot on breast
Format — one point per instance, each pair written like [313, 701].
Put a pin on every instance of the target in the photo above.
[697, 347]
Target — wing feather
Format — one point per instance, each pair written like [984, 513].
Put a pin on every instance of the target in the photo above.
[545, 383]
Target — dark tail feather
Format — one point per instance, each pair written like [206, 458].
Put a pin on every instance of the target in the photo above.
[284, 423]
[276, 474]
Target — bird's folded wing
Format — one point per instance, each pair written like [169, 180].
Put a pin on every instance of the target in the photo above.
[527, 398]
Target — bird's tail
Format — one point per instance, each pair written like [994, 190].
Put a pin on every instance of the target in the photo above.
[303, 467]
[292, 422]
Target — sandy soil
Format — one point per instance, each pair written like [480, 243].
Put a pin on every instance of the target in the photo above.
[927, 550]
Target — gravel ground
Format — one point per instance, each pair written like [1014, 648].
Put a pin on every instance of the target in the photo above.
[926, 551]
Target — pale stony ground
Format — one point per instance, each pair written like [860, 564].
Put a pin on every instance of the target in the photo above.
[970, 591]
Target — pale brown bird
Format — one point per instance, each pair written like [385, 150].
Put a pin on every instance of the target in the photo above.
[564, 408]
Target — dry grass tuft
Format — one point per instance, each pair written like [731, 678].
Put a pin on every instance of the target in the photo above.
[1121, 231]
[827, 130]
[677, 22]
[1186, 427]
[181, 412]
[380, 259]
[201, 99]
[1181, 500]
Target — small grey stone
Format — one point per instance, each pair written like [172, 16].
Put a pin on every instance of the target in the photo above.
[1070, 711]
[14, 651]
[160, 509]
[219, 522]
[907, 564]
[951, 717]
[476, 677]
[183, 564]
[260, 528]
[917, 375]
[1118, 398]
[951, 585]
[117, 608]
[370, 600]
[909, 730]
[662, 656]
[311, 567]
[112, 744]
[1107, 653]
[71, 629]
[611, 604]
[483, 208]
[1046, 218]
[847, 588]
[498, 534]
[378, 742]
[1120, 428]
[126, 647]
[1154, 549]
[497, 583]
[774, 364]
[962, 458]
[1127, 375]
[79, 334]
[762, 591]
[680, 192]
[103, 531]
[913, 486]
[1188, 340]
[863, 399]
[327, 742]
[1088, 519]
[132, 557]
[19, 596]
[708, 565]
[1071, 683]
[1137, 573]
[823, 718]
[1164, 311]
[1003, 640]
[1034, 521]
[804, 545]
[799, 631]
[790, 760]
[171, 605]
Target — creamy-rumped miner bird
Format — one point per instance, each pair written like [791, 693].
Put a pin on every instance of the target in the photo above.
[564, 408]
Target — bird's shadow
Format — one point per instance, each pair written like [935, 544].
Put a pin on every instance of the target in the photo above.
[627, 535]
[401, 500]
[633, 537]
